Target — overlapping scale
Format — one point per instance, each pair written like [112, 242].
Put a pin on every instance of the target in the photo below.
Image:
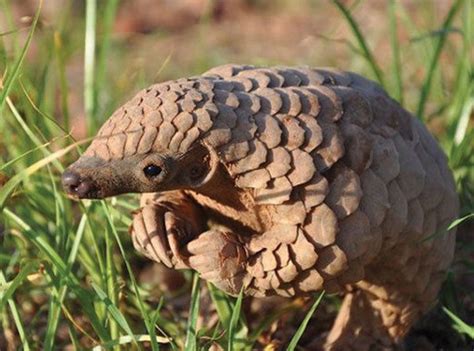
[339, 172]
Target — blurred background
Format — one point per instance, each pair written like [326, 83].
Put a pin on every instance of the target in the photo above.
[139, 42]
[66, 67]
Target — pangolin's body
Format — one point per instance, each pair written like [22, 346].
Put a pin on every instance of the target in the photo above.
[314, 179]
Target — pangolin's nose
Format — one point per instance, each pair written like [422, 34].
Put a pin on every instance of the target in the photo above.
[74, 185]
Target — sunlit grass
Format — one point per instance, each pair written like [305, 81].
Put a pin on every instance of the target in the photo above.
[76, 259]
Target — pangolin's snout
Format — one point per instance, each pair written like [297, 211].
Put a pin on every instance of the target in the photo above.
[77, 186]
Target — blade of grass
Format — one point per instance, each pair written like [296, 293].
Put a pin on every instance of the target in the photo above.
[3, 58]
[63, 86]
[103, 50]
[463, 121]
[222, 304]
[233, 321]
[460, 325]
[93, 257]
[268, 320]
[62, 237]
[89, 64]
[170, 328]
[10, 79]
[54, 310]
[225, 309]
[13, 31]
[463, 100]
[191, 333]
[440, 40]
[361, 41]
[113, 310]
[452, 225]
[111, 279]
[25, 127]
[73, 337]
[396, 60]
[18, 158]
[77, 241]
[8, 289]
[299, 332]
[16, 318]
[77, 326]
[7, 10]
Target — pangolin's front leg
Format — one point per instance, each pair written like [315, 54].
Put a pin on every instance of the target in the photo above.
[220, 257]
[171, 228]
[164, 224]
[280, 261]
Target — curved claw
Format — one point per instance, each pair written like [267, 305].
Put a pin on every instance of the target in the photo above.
[139, 234]
[155, 231]
[147, 235]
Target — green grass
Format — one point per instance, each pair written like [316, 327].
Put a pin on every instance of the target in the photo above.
[68, 273]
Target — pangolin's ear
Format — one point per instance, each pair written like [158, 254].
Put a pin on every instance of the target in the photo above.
[197, 166]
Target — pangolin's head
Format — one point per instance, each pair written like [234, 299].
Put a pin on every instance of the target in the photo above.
[152, 143]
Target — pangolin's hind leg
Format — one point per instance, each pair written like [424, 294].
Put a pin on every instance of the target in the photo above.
[357, 327]
[369, 322]
[381, 309]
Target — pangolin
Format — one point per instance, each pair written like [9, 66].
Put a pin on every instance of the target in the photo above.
[285, 181]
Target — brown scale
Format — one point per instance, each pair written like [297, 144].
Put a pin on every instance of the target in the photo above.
[284, 181]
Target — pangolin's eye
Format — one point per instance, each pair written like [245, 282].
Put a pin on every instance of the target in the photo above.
[152, 171]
